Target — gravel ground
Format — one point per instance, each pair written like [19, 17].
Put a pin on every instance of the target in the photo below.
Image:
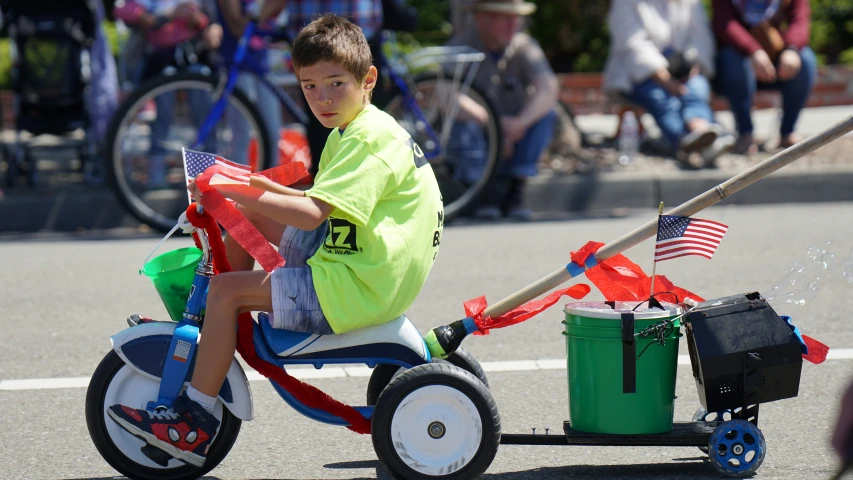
[603, 157]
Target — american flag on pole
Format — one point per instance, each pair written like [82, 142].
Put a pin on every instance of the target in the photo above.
[681, 236]
[197, 162]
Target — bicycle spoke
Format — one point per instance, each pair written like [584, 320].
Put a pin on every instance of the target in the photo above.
[156, 122]
[458, 132]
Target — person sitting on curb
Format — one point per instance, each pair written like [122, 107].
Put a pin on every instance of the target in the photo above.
[518, 79]
[757, 53]
[661, 55]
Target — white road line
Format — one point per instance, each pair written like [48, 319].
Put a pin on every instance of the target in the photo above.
[309, 373]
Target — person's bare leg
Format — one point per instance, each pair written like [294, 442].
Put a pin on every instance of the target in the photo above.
[697, 124]
[239, 259]
[229, 293]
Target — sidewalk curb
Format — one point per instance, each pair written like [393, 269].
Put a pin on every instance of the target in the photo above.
[598, 193]
[79, 208]
[65, 209]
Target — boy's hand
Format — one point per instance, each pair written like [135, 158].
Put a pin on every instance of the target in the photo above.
[194, 191]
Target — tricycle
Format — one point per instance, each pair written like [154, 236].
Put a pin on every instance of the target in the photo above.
[435, 417]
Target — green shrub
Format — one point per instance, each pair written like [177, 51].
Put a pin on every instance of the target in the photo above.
[573, 33]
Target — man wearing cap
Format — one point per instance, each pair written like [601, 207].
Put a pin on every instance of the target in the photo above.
[521, 84]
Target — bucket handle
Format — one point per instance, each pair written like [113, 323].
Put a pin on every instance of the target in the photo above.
[171, 232]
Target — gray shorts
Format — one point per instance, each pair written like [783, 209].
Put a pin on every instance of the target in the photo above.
[295, 303]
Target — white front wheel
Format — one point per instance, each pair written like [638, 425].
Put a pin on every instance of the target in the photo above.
[114, 382]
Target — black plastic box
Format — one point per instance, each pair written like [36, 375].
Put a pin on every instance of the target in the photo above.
[721, 335]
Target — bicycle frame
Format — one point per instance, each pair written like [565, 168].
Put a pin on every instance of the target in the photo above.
[239, 65]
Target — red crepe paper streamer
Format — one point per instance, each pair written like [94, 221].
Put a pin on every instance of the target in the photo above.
[474, 308]
[237, 225]
[817, 350]
[217, 209]
[286, 174]
[621, 279]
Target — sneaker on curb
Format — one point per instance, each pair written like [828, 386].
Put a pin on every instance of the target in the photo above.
[745, 145]
[698, 139]
[184, 431]
[722, 145]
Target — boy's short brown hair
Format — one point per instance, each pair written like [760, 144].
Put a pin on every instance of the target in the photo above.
[333, 39]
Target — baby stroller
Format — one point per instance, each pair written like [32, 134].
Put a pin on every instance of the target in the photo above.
[50, 46]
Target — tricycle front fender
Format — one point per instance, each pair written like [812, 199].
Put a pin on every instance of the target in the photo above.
[145, 346]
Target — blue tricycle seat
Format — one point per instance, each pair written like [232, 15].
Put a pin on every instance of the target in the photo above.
[397, 341]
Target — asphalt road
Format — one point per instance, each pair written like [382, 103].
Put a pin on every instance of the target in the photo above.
[63, 297]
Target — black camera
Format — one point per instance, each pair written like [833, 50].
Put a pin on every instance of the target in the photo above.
[682, 63]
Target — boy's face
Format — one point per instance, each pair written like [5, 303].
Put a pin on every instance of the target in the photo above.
[335, 96]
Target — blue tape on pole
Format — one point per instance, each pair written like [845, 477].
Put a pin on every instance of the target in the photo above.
[803, 346]
[576, 270]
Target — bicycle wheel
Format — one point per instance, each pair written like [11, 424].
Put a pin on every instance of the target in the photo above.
[145, 137]
[463, 151]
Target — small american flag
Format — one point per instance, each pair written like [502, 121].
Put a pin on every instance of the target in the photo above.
[680, 236]
[197, 162]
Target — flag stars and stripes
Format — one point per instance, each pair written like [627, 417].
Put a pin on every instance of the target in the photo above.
[680, 236]
[198, 162]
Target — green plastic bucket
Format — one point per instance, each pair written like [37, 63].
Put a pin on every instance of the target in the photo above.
[172, 274]
[597, 403]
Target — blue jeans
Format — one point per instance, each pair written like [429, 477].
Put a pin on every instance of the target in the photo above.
[161, 143]
[467, 149]
[671, 112]
[738, 84]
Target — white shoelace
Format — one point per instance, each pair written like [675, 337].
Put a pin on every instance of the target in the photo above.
[165, 414]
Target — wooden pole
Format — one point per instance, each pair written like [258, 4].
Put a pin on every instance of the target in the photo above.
[686, 209]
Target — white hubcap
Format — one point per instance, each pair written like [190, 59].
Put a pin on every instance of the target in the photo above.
[436, 430]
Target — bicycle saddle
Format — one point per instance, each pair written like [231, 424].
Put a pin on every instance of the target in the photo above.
[398, 339]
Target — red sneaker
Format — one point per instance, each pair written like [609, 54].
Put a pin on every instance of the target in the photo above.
[184, 431]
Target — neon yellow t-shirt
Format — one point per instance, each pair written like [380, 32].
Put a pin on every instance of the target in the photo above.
[385, 229]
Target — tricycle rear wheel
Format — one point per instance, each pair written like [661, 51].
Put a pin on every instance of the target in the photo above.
[383, 373]
[436, 421]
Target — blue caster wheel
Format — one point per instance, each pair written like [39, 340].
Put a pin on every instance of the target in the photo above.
[737, 448]
[703, 415]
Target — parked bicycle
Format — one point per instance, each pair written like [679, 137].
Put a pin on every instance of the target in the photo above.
[432, 91]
